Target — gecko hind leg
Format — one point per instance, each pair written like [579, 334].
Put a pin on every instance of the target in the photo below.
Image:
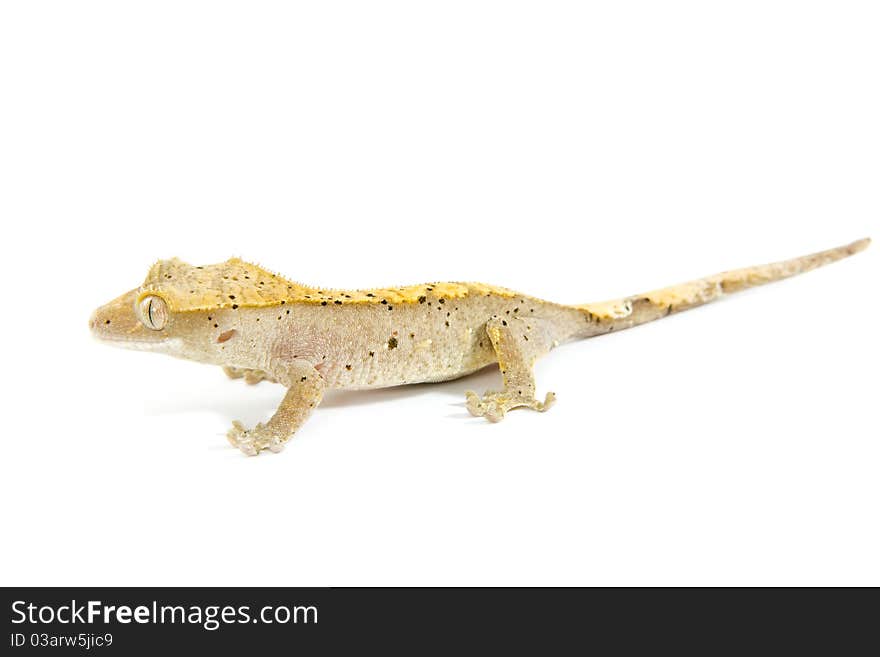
[518, 343]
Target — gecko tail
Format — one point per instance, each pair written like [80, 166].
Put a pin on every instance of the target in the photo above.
[641, 308]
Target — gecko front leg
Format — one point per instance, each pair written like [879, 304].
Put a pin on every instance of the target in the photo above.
[305, 389]
[518, 343]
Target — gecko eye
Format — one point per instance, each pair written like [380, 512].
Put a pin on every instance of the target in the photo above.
[154, 312]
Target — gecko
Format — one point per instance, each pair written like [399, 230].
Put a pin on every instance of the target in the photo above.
[258, 326]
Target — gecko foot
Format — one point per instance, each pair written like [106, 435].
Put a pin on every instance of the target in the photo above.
[493, 405]
[250, 376]
[253, 441]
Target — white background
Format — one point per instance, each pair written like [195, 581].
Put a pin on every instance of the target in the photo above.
[575, 151]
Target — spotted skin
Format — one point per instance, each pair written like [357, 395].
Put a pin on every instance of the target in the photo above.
[259, 326]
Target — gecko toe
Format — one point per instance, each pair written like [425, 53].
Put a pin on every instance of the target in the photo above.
[487, 406]
[249, 442]
[253, 377]
[549, 400]
[236, 434]
[472, 401]
[248, 449]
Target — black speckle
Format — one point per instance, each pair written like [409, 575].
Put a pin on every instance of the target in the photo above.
[338, 302]
[392, 342]
[422, 299]
[372, 353]
[323, 303]
[302, 379]
[447, 323]
[216, 325]
[107, 322]
[503, 322]
[235, 306]
[287, 311]
[442, 300]
[232, 296]
[348, 367]
[384, 302]
[390, 307]
[370, 294]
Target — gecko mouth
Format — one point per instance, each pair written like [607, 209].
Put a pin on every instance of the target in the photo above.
[133, 343]
[101, 330]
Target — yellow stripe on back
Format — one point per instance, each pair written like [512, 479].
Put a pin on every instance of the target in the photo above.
[235, 283]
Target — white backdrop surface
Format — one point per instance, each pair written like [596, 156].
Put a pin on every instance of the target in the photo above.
[575, 151]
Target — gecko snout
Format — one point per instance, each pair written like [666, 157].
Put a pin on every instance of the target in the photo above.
[117, 321]
[101, 325]
[97, 322]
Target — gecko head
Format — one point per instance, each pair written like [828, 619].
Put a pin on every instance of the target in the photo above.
[137, 320]
[160, 315]
[188, 311]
